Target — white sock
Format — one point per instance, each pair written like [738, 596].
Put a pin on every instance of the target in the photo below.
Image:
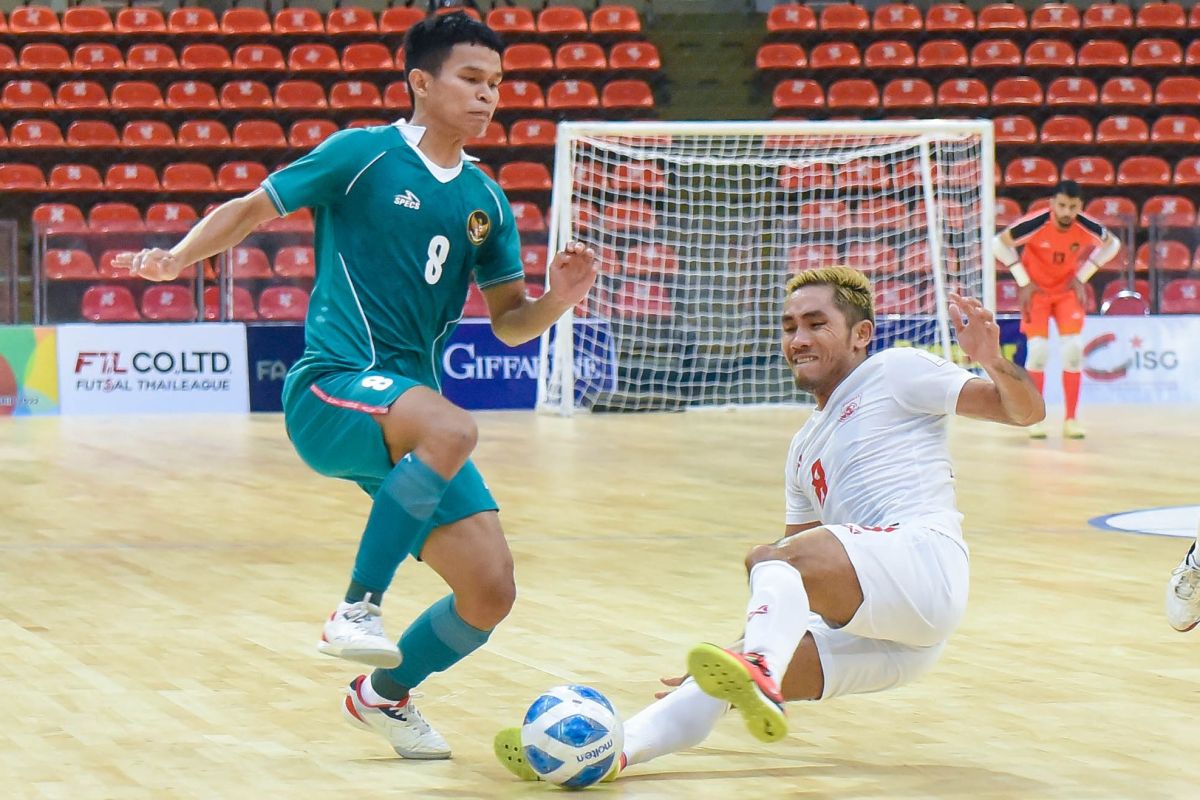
[682, 719]
[777, 615]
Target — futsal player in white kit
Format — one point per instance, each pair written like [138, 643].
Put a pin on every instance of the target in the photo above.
[870, 578]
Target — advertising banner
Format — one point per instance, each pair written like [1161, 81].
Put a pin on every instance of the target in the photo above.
[1135, 360]
[272, 350]
[138, 369]
[922, 332]
[28, 375]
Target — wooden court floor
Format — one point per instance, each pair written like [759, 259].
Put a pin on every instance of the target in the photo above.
[163, 582]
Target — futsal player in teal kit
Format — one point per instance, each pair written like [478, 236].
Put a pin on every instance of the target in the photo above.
[404, 221]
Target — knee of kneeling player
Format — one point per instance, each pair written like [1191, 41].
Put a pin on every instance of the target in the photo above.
[760, 553]
[1072, 353]
[1037, 354]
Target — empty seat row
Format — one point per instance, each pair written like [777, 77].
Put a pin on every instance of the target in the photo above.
[85, 20]
[987, 54]
[794, 18]
[357, 57]
[1171, 210]
[1177, 296]
[1097, 171]
[1119, 129]
[176, 303]
[971, 93]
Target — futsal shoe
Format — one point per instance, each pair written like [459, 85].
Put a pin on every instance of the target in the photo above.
[743, 680]
[400, 723]
[511, 755]
[1036, 431]
[355, 632]
[1073, 430]
[1183, 595]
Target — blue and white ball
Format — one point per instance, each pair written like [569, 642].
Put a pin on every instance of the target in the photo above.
[572, 736]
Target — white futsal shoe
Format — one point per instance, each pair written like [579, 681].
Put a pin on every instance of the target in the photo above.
[355, 632]
[1183, 595]
[400, 723]
[1035, 431]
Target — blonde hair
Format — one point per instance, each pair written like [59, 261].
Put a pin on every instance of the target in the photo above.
[852, 292]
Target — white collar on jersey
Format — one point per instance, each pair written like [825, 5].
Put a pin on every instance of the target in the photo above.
[413, 135]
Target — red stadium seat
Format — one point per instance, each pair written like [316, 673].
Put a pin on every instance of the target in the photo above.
[205, 58]
[258, 133]
[897, 17]
[493, 137]
[1055, 18]
[781, 56]
[798, 95]
[537, 59]
[299, 221]
[242, 304]
[204, 133]
[86, 20]
[507, 21]
[949, 17]
[1178, 91]
[524, 176]
[140, 20]
[367, 57]
[562, 20]
[616, 19]
[634, 56]
[151, 57]
[1144, 171]
[1125, 92]
[962, 93]
[92, 133]
[1104, 53]
[1002, 17]
[1187, 172]
[570, 57]
[61, 264]
[529, 218]
[1180, 296]
[1140, 288]
[26, 96]
[170, 217]
[853, 93]
[35, 133]
[33, 19]
[643, 299]
[806, 177]
[245, 21]
[240, 176]
[637, 175]
[258, 58]
[396, 95]
[44, 57]
[1194, 17]
[1072, 92]
[534, 259]
[896, 299]
[1008, 297]
[823, 215]
[246, 95]
[97, 57]
[475, 306]
[355, 94]
[572, 95]
[811, 256]
[1107, 17]
[399, 19]
[1169, 210]
[625, 94]
[8, 59]
[1032, 171]
[844, 18]
[188, 177]
[872, 258]
[1176, 129]
[1157, 53]
[308, 133]
[906, 93]
[81, 95]
[295, 261]
[283, 303]
[109, 303]
[1066, 129]
[1016, 92]
[147, 133]
[137, 96]
[532, 133]
[250, 263]
[1008, 211]
[889, 54]
[521, 96]
[313, 58]
[1014, 130]
[169, 303]
[791, 18]
[131, 178]
[942, 54]
[1111, 211]
[301, 95]
[1089, 171]
[299, 21]
[996, 54]
[75, 177]
[116, 217]
[350, 19]
[834, 55]
[1161, 16]
[1049, 54]
[1122, 129]
[651, 260]
[1192, 56]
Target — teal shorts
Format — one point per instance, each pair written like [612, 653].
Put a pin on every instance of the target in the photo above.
[330, 423]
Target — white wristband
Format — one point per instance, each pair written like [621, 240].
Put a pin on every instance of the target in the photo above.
[1019, 274]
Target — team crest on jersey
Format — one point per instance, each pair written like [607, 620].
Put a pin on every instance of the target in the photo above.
[1074, 246]
[478, 227]
[850, 408]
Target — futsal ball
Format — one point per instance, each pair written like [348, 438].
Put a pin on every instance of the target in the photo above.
[572, 736]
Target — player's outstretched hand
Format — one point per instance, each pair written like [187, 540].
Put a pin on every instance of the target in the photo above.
[976, 328]
[153, 264]
[572, 272]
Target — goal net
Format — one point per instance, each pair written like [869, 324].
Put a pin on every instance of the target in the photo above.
[698, 226]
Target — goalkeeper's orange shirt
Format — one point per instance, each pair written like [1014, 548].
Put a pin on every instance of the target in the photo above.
[1051, 255]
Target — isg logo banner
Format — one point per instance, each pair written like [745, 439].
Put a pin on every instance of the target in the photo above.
[135, 369]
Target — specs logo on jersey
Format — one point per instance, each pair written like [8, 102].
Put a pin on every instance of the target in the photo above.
[478, 227]
[408, 200]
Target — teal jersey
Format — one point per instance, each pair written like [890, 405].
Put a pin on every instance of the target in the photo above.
[398, 240]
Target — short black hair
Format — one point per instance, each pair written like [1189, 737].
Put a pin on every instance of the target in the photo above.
[1069, 188]
[429, 42]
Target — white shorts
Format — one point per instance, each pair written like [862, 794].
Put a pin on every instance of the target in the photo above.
[914, 582]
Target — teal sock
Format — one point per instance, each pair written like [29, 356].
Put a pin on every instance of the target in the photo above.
[400, 514]
[436, 640]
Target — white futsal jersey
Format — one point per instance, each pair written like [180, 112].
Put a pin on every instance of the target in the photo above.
[876, 455]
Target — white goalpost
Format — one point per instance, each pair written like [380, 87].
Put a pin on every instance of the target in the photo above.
[698, 226]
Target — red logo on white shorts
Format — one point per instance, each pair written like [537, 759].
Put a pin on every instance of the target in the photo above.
[757, 611]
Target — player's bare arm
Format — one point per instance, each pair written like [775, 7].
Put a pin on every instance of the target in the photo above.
[517, 319]
[1010, 396]
[224, 228]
